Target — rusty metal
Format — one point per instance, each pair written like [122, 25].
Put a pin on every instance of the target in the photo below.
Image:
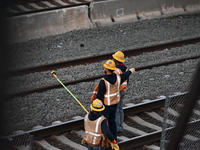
[41, 89]
[77, 124]
[153, 104]
[93, 59]
[140, 140]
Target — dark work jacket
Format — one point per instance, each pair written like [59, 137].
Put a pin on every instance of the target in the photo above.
[111, 78]
[122, 67]
[104, 126]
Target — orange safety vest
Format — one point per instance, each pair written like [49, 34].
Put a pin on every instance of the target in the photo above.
[94, 94]
[123, 86]
[93, 133]
[112, 94]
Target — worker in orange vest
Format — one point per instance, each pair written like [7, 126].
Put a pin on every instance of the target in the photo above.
[119, 60]
[108, 91]
[97, 134]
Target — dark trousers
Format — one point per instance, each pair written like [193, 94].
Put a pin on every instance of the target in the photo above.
[110, 114]
[120, 113]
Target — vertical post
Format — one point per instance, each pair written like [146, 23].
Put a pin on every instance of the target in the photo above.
[167, 101]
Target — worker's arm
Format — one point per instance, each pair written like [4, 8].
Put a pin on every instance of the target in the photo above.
[106, 131]
[101, 90]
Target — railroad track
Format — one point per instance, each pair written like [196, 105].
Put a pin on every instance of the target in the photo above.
[73, 130]
[41, 89]
[34, 6]
[142, 128]
[93, 59]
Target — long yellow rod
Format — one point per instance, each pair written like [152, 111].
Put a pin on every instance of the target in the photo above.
[54, 74]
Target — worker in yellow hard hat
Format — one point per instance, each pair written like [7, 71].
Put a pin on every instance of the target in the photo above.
[107, 90]
[119, 60]
[97, 134]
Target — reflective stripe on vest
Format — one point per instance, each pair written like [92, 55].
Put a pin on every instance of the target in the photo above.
[95, 131]
[111, 99]
[124, 84]
[94, 93]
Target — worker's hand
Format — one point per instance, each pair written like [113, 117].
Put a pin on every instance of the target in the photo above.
[132, 70]
[114, 145]
[83, 141]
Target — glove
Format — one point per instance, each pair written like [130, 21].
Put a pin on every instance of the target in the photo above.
[83, 141]
[114, 145]
[132, 70]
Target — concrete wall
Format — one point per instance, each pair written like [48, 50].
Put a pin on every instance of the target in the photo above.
[27, 27]
[104, 13]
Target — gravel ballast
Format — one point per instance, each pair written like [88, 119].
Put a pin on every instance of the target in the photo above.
[22, 113]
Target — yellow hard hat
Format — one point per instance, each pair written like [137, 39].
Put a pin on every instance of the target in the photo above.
[119, 56]
[97, 105]
[110, 64]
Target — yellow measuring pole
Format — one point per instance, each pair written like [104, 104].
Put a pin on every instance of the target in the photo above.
[54, 74]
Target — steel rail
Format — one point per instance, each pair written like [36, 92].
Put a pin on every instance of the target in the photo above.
[151, 137]
[78, 123]
[41, 89]
[93, 59]
[126, 144]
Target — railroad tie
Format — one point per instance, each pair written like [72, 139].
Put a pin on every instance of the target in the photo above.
[129, 104]
[35, 6]
[197, 112]
[173, 112]
[122, 138]
[48, 4]
[74, 1]
[22, 8]
[11, 10]
[144, 123]
[23, 147]
[45, 145]
[61, 2]
[89, 0]
[79, 133]
[151, 147]
[198, 131]
[68, 142]
[159, 118]
[133, 130]
[191, 138]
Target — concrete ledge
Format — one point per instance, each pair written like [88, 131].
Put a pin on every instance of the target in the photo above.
[27, 27]
[40, 25]
[116, 11]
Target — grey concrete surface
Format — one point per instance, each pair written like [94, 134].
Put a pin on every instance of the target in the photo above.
[43, 24]
[39, 25]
